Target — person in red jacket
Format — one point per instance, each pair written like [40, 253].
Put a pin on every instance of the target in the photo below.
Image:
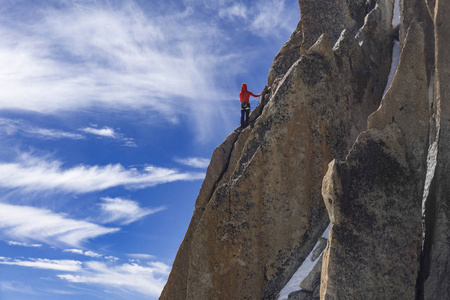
[244, 96]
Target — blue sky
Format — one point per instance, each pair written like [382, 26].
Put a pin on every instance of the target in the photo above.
[109, 113]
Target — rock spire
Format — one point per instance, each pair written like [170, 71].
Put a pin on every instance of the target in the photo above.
[326, 144]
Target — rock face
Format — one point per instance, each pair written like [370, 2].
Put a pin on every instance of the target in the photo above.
[331, 17]
[374, 197]
[435, 283]
[287, 56]
[256, 221]
[319, 130]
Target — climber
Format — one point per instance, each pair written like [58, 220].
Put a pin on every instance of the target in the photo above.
[244, 96]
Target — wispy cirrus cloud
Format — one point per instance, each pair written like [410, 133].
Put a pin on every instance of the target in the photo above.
[92, 254]
[53, 134]
[109, 132]
[265, 18]
[141, 256]
[273, 16]
[38, 174]
[117, 57]
[148, 279]
[10, 127]
[17, 287]
[43, 263]
[105, 131]
[26, 223]
[145, 279]
[123, 211]
[84, 252]
[14, 243]
[196, 162]
[233, 11]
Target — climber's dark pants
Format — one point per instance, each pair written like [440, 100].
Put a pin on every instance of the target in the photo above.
[245, 111]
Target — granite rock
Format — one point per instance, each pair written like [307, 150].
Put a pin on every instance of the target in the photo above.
[374, 196]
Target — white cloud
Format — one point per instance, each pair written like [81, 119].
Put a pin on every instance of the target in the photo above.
[111, 258]
[75, 251]
[106, 131]
[129, 142]
[110, 133]
[146, 280]
[85, 253]
[11, 127]
[141, 256]
[53, 134]
[43, 263]
[37, 174]
[13, 243]
[196, 162]
[90, 253]
[273, 16]
[34, 224]
[123, 211]
[233, 11]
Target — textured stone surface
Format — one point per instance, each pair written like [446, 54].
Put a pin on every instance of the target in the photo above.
[312, 281]
[318, 251]
[260, 211]
[374, 197]
[300, 295]
[176, 285]
[417, 11]
[436, 256]
[330, 17]
[322, 47]
[287, 56]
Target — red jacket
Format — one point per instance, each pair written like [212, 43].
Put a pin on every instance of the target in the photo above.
[244, 95]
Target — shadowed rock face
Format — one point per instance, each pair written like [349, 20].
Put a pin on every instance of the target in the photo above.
[435, 282]
[374, 197]
[260, 211]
